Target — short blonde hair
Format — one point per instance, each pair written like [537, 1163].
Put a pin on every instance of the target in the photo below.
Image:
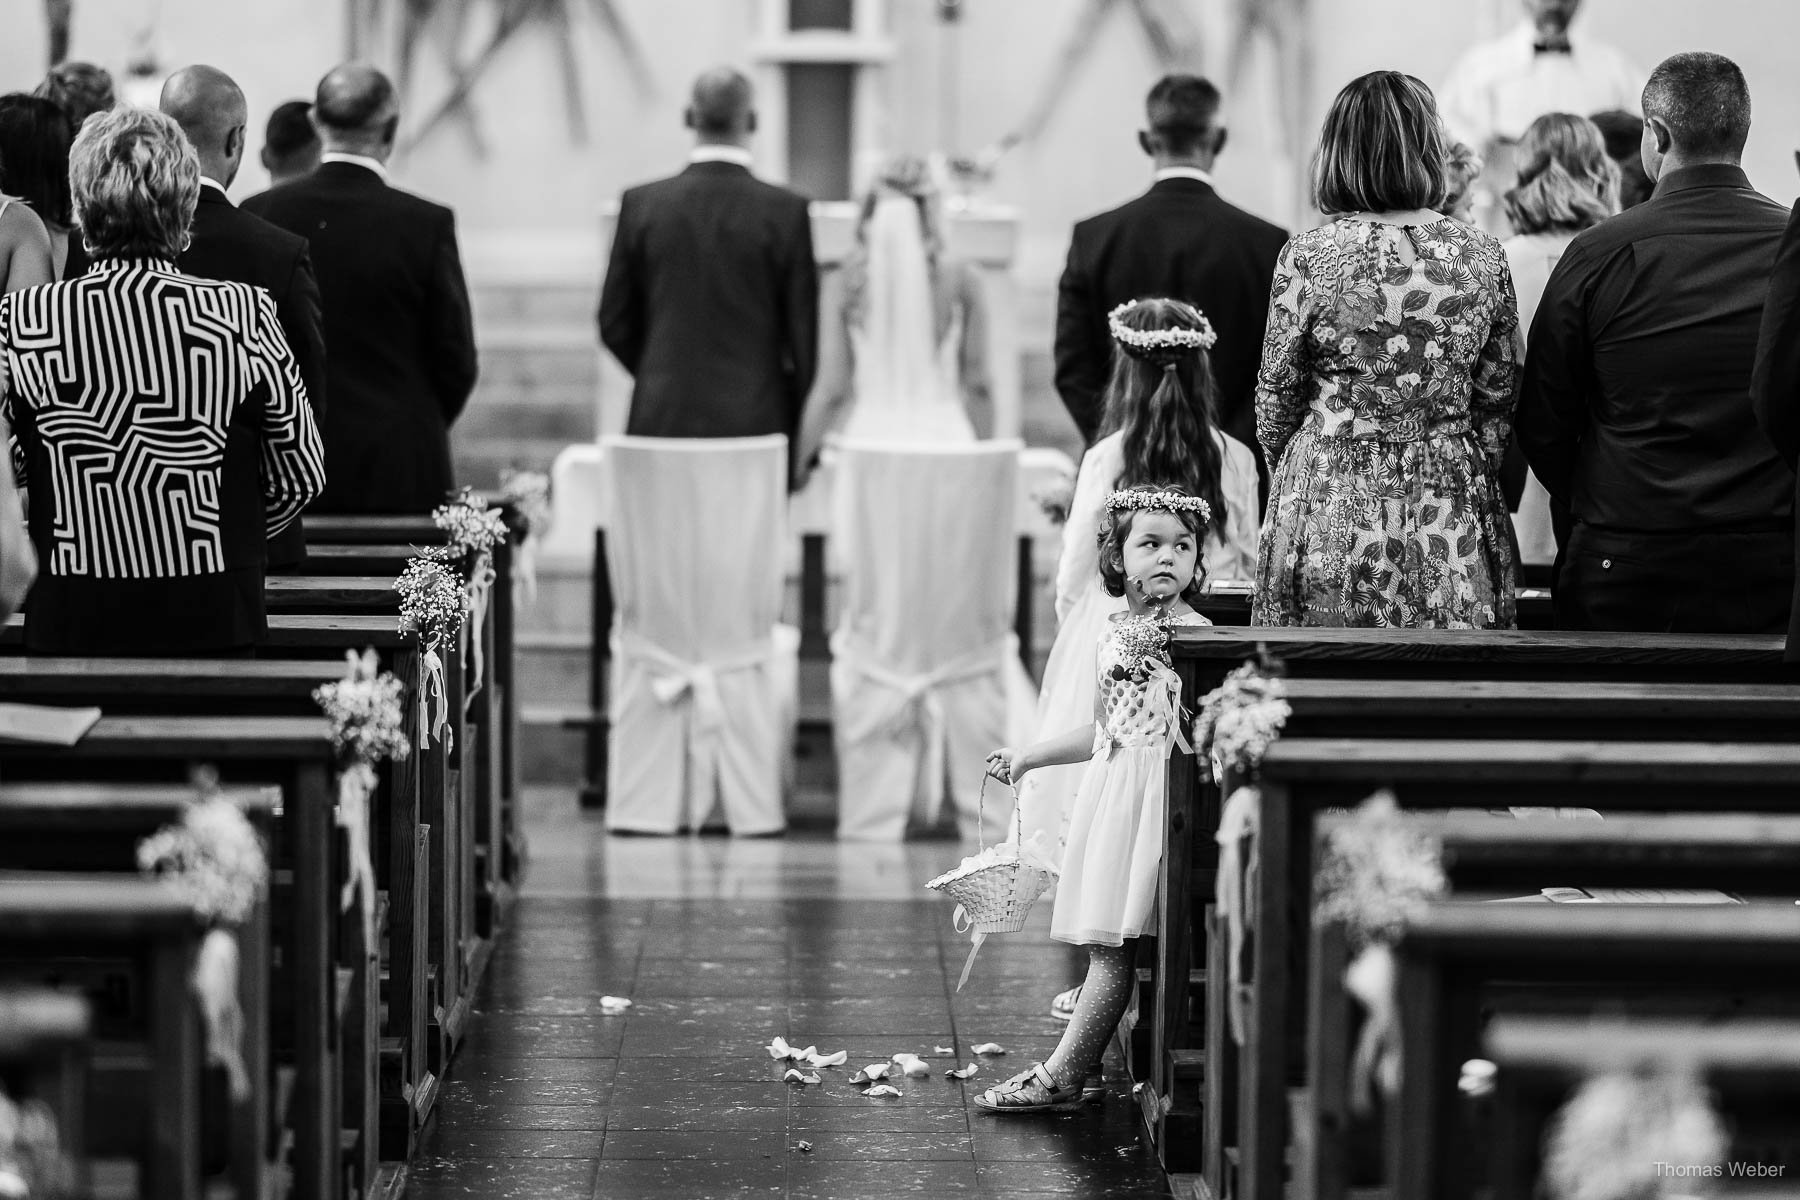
[1382, 149]
[1567, 181]
[135, 180]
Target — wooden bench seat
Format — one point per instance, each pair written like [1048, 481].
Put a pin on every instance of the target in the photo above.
[45, 1044]
[1744, 854]
[64, 918]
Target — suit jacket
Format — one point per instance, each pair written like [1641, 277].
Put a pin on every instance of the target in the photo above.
[231, 244]
[1178, 240]
[711, 301]
[397, 320]
[1775, 385]
[162, 428]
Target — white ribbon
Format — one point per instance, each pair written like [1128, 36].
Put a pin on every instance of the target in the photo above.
[674, 680]
[524, 579]
[356, 784]
[1236, 884]
[478, 590]
[1372, 978]
[215, 984]
[434, 703]
[915, 703]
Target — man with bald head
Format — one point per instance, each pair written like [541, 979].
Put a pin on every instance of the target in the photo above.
[711, 297]
[231, 244]
[402, 362]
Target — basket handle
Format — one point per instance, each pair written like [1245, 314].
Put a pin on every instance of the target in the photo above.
[981, 807]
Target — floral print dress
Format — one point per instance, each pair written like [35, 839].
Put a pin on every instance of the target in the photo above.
[1385, 402]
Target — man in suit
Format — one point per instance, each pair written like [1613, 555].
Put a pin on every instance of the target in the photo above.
[230, 244]
[397, 317]
[711, 298]
[290, 143]
[1775, 385]
[1635, 407]
[1179, 240]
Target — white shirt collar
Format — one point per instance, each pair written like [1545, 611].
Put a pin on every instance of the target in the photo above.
[215, 185]
[360, 160]
[1184, 173]
[711, 152]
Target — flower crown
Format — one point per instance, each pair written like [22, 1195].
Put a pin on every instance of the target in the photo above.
[1153, 341]
[1170, 502]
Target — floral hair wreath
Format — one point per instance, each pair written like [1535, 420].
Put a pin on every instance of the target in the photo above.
[1147, 342]
[1170, 502]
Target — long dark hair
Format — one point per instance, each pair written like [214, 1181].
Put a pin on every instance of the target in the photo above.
[1166, 404]
[34, 155]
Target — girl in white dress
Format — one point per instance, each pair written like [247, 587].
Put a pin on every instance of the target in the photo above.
[1161, 428]
[1107, 898]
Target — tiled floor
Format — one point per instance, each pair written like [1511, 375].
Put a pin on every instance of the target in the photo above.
[722, 945]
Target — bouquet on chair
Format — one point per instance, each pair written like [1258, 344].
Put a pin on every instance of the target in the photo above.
[995, 888]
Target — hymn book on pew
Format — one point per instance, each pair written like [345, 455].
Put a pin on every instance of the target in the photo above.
[45, 725]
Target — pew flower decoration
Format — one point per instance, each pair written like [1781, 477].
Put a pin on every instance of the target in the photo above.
[1054, 497]
[213, 857]
[1378, 873]
[1617, 1135]
[32, 1162]
[474, 529]
[433, 602]
[364, 707]
[367, 726]
[1241, 718]
[527, 497]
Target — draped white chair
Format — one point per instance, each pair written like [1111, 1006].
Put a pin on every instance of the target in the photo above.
[925, 671]
[704, 679]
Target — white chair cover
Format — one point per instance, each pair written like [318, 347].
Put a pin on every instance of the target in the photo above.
[704, 680]
[577, 502]
[925, 671]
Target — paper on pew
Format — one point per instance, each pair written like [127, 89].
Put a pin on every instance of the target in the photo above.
[44, 724]
[1570, 895]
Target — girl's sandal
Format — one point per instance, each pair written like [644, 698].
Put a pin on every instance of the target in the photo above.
[1031, 1090]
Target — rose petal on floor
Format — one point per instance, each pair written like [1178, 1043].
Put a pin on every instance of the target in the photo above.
[881, 1090]
[989, 1048]
[795, 1075]
[912, 1065]
[951, 1050]
[612, 1006]
[964, 1073]
[779, 1049]
[828, 1060]
[871, 1073]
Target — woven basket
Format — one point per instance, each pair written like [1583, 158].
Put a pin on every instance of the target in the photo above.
[992, 897]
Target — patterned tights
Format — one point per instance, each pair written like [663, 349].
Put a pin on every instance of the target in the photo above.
[1105, 993]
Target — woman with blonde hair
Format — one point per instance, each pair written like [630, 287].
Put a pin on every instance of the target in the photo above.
[911, 345]
[1385, 399]
[1567, 183]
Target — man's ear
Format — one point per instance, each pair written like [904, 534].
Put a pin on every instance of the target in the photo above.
[750, 121]
[267, 160]
[687, 118]
[1220, 137]
[390, 128]
[1660, 131]
[234, 144]
[1144, 143]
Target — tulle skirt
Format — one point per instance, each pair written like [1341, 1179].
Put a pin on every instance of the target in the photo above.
[1110, 868]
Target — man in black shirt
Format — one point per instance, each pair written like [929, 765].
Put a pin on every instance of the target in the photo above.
[1635, 409]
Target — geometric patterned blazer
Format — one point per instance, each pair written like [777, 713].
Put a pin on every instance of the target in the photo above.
[162, 431]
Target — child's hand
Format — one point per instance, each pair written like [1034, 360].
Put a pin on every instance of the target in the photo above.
[1001, 765]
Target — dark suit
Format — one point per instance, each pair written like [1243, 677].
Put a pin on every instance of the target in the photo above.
[711, 301]
[397, 321]
[234, 245]
[1181, 241]
[1775, 387]
[1635, 411]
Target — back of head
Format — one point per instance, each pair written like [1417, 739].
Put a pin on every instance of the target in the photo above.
[207, 104]
[135, 180]
[290, 130]
[1182, 111]
[723, 106]
[1382, 148]
[80, 89]
[1567, 181]
[1161, 399]
[356, 109]
[1704, 101]
[34, 155]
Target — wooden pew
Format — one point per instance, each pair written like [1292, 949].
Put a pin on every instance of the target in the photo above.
[331, 594]
[370, 558]
[45, 1036]
[76, 916]
[89, 828]
[410, 1066]
[294, 753]
[1203, 656]
[1229, 604]
[1303, 777]
[1753, 1065]
[1743, 854]
[1450, 955]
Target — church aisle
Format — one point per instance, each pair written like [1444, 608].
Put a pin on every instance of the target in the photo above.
[721, 946]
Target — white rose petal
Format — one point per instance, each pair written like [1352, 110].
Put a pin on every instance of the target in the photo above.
[989, 1048]
[882, 1089]
[964, 1073]
[795, 1075]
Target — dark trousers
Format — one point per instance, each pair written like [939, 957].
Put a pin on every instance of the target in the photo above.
[1721, 582]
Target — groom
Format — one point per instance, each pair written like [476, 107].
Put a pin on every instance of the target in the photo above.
[711, 298]
[1179, 240]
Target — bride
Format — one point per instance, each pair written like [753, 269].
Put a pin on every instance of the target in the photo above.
[912, 340]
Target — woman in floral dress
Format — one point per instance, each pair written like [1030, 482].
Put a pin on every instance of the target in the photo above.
[1385, 398]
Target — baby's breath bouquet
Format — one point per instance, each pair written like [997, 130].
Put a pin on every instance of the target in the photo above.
[365, 710]
[1241, 718]
[1609, 1140]
[432, 600]
[528, 493]
[32, 1162]
[474, 528]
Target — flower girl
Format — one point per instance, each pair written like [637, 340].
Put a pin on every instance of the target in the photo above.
[1149, 552]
